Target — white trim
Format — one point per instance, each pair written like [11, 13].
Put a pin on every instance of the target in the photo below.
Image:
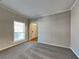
[62, 47]
[74, 4]
[55, 45]
[14, 44]
[74, 52]
[55, 12]
[12, 11]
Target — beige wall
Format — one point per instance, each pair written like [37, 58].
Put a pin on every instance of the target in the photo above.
[33, 33]
[6, 28]
[54, 29]
[75, 29]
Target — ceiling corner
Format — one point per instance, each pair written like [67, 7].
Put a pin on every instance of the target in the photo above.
[73, 4]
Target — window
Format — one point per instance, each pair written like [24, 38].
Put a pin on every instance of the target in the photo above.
[19, 31]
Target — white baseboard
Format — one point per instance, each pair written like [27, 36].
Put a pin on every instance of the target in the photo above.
[74, 52]
[17, 43]
[14, 44]
[56, 45]
[62, 47]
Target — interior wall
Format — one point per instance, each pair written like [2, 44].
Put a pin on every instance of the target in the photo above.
[7, 28]
[75, 29]
[33, 33]
[54, 29]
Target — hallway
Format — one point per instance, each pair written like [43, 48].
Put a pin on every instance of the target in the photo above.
[36, 51]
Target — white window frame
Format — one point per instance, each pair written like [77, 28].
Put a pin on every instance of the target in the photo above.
[19, 30]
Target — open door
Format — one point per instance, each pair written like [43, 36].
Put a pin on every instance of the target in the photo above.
[33, 32]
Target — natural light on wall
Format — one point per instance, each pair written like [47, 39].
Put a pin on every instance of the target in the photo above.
[19, 31]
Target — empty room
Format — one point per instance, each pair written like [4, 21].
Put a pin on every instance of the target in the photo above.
[39, 29]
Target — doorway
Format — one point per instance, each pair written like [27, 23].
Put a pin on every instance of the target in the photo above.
[33, 32]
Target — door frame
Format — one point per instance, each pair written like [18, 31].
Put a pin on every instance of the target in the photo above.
[29, 31]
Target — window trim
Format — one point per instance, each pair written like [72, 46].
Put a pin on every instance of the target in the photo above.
[15, 40]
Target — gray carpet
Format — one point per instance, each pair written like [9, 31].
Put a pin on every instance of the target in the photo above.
[37, 51]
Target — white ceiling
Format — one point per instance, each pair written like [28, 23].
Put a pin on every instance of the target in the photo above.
[37, 8]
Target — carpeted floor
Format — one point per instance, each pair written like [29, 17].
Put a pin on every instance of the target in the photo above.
[37, 51]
